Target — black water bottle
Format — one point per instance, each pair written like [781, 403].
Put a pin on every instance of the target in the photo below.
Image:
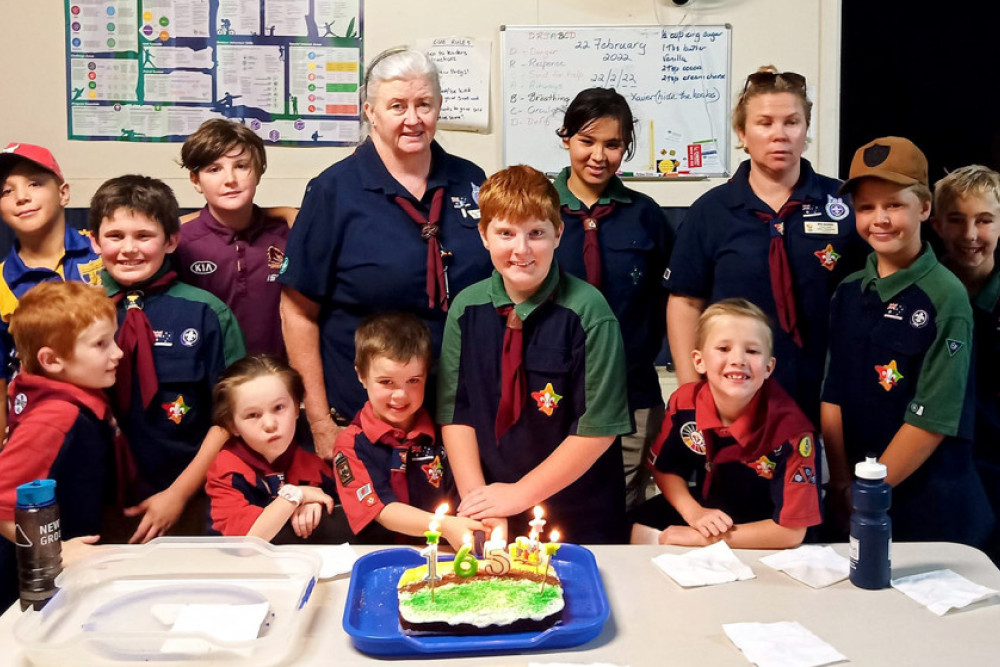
[871, 527]
[38, 541]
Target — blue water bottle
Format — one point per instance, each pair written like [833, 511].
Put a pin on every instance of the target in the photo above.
[38, 542]
[871, 527]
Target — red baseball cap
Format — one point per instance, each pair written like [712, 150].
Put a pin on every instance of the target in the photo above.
[13, 152]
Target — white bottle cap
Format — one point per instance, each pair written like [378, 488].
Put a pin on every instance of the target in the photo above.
[870, 468]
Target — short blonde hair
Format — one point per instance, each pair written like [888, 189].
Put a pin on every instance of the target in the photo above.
[518, 194]
[972, 180]
[398, 336]
[736, 308]
[54, 314]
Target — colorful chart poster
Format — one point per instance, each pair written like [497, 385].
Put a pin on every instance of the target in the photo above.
[154, 70]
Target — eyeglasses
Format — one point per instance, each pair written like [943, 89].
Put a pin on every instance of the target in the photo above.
[769, 79]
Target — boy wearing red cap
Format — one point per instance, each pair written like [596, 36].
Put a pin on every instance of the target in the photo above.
[897, 385]
[33, 202]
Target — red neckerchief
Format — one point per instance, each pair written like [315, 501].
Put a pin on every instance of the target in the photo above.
[771, 419]
[136, 339]
[591, 245]
[782, 283]
[259, 464]
[437, 283]
[513, 379]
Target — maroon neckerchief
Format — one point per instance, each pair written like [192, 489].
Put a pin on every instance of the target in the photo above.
[135, 338]
[379, 432]
[782, 286]
[591, 247]
[771, 419]
[512, 375]
[259, 464]
[437, 285]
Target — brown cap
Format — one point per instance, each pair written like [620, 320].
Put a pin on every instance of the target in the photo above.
[892, 159]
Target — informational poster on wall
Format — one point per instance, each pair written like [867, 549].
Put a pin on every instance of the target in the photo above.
[154, 70]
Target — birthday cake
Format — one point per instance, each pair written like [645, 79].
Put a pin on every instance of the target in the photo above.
[515, 589]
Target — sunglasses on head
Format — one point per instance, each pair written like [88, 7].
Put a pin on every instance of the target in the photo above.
[768, 79]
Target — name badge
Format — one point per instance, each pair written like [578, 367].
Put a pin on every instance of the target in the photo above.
[820, 228]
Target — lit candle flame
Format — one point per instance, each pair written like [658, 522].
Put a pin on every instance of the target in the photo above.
[539, 512]
[554, 536]
[467, 540]
[497, 535]
[441, 511]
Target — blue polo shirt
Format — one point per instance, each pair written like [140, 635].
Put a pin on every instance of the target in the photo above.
[196, 338]
[79, 262]
[575, 368]
[722, 249]
[900, 349]
[354, 251]
[635, 241]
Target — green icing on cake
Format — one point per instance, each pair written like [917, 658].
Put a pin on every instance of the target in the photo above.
[522, 595]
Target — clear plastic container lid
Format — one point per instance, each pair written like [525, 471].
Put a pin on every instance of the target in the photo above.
[870, 468]
[178, 600]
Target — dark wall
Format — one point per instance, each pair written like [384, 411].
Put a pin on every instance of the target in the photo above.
[928, 71]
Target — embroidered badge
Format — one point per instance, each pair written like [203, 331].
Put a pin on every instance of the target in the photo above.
[275, 257]
[636, 275]
[343, 468]
[90, 272]
[888, 375]
[916, 408]
[176, 410]
[204, 267]
[434, 471]
[764, 467]
[547, 399]
[364, 492]
[459, 202]
[189, 338]
[954, 346]
[805, 447]
[692, 438]
[828, 257]
[918, 319]
[894, 311]
[284, 265]
[475, 193]
[20, 403]
[804, 475]
[836, 208]
[780, 228]
[163, 338]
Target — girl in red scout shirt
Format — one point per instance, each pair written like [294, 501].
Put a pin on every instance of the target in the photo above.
[262, 480]
[391, 466]
[752, 450]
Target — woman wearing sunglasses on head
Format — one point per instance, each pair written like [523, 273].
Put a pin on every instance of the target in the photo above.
[777, 234]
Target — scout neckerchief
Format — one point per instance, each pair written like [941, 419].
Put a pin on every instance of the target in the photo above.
[273, 474]
[781, 274]
[512, 376]
[591, 247]
[771, 419]
[135, 338]
[437, 284]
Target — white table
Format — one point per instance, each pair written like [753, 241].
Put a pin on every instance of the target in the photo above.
[656, 622]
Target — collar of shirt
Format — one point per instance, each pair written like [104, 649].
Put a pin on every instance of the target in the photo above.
[230, 235]
[375, 429]
[892, 285]
[988, 297]
[111, 287]
[375, 176]
[39, 388]
[615, 190]
[498, 293]
[76, 243]
[808, 189]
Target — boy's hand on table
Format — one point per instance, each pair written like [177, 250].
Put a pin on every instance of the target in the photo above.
[493, 500]
[316, 495]
[306, 517]
[75, 549]
[685, 536]
[710, 523]
[159, 512]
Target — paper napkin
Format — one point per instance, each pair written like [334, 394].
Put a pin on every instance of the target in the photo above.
[941, 590]
[223, 622]
[812, 564]
[784, 644]
[714, 564]
[337, 559]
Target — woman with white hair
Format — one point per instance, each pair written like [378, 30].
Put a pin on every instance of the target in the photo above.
[392, 227]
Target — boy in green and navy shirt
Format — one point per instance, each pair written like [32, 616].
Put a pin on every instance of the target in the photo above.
[897, 373]
[177, 339]
[532, 392]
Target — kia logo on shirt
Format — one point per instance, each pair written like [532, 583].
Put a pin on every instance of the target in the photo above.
[203, 267]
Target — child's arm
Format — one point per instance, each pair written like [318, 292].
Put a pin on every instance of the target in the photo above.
[72, 550]
[462, 448]
[300, 328]
[832, 425]
[409, 520]
[573, 457]
[907, 451]
[279, 511]
[709, 523]
[160, 510]
[682, 318]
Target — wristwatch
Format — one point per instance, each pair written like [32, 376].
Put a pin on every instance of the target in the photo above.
[291, 493]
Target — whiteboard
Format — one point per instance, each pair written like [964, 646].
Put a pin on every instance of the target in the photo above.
[676, 80]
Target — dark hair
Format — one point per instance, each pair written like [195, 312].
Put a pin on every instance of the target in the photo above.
[141, 194]
[593, 104]
[245, 370]
[217, 137]
[399, 336]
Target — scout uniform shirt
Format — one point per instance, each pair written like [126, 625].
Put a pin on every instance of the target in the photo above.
[575, 369]
[900, 349]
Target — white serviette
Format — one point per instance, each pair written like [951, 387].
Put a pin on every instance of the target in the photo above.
[783, 644]
[942, 590]
[812, 564]
[337, 559]
[222, 622]
[714, 564]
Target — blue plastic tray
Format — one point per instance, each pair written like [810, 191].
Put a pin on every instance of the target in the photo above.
[371, 614]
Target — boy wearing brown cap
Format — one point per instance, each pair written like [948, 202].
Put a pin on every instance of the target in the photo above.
[898, 365]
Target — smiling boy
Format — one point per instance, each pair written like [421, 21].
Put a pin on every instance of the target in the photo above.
[532, 392]
[900, 346]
